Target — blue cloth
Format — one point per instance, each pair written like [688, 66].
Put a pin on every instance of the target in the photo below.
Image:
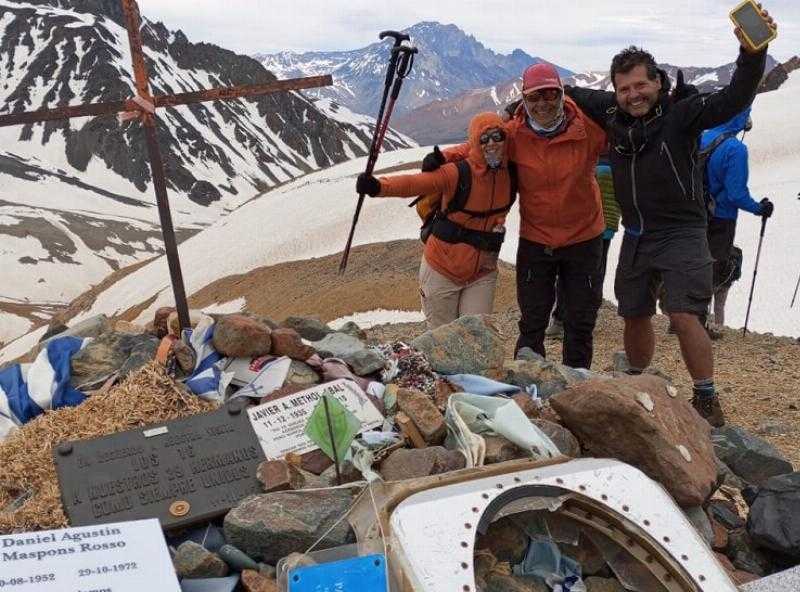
[727, 170]
[206, 381]
[545, 561]
[26, 390]
[480, 385]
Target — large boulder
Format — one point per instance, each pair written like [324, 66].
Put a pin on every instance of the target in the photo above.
[774, 519]
[565, 441]
[287, 342]
[352, 351]
[311, 329]
[468, 345]
[240, 336]
[271, 526]
[636, 420]
[745, 555]
[748, 456]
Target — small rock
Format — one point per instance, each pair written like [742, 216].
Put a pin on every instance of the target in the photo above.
[348, 472]
[744, 555]
[211, 584]
[699, 519]
[672, 391]
[469, 345]
[565, 441]
[194, 561]
[586, 554]
[421, 462]
[270, 526]
[278, 475]
[352, 329]
[505, 539]
[338, 345]
[174, 325]
[310, 329]
[645, 401]
[365, 362]
[301, 374]
[443, 389]
[287, 342]
[502, 583]
[748, 456]
[160, 325]
[774, 519]
[727, 477]
[238, 336]
[687, 456]
[720, 541]
[526, 403]
[499, 449]
[772, 427]
[725, 513]
[184, 355]
[236, 559]
[315, 462]
[253, 581]
[594, 584]
[421, 410]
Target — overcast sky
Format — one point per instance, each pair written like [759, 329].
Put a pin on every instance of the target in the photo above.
[577, 34]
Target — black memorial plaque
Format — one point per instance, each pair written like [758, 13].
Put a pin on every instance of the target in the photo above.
[181, 472]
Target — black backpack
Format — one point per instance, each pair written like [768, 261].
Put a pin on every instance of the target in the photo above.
[437, 221]
[703, 156]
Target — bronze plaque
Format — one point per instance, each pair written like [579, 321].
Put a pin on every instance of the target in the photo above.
[181, 472]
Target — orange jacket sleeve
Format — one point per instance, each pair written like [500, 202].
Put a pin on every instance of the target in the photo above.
[456, 153]
[442, 180]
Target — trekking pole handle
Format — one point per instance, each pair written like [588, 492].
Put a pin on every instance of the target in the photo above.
[397, 35]
[404, 65]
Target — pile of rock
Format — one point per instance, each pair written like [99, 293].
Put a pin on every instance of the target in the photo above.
[737, 490]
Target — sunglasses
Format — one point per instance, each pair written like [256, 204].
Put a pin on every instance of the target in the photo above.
[496, 135]
[548, 94]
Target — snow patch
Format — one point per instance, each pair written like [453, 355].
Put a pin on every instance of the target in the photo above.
[379, 316]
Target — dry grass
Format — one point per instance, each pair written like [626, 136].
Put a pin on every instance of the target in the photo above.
[147, 396]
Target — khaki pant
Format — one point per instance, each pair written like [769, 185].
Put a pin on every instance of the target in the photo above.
[443, 300]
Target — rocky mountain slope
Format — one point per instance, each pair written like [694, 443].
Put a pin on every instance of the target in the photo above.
[75, 196]
[449, 62]
[446, 120]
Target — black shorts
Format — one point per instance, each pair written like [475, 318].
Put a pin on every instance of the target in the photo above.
[679, 260]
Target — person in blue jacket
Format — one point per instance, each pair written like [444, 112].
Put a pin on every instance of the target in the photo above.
[726, 176]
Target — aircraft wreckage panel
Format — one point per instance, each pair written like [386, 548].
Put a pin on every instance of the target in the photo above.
[435, 530]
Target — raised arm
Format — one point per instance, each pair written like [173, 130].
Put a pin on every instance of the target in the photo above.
[595, 103]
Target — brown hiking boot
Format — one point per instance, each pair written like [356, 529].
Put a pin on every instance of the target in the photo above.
[709, 409]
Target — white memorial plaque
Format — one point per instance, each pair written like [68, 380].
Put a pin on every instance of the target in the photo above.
[280, 424]
[119, 557]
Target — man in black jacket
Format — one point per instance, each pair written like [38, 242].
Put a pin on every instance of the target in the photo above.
[659, 187]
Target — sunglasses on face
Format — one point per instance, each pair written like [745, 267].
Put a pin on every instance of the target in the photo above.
[547, 94]
[496, 135]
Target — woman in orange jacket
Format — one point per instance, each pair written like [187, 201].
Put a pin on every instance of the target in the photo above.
[458, 273]
[555, 147]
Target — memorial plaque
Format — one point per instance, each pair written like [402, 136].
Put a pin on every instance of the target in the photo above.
[181, 472]
[280, 424]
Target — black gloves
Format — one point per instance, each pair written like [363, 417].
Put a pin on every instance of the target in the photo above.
[367, 185]
[433, 160]
[767, 207]
[510, 109]
[682, 90]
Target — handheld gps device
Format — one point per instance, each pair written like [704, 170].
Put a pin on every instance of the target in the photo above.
[754, 28]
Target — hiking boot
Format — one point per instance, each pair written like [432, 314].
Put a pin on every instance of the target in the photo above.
[714, 331]
[709, 409]
[555, 330]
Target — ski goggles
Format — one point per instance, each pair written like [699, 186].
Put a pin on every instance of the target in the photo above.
[496, 135]
[547, 94]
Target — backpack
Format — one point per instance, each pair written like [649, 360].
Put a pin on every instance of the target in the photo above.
[703, 156]
[429, 207]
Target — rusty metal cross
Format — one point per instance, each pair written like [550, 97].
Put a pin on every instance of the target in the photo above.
[143, 107]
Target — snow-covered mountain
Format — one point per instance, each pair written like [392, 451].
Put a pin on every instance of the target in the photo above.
[446, 120]
[321, 206]
[449, 62]
[75, 196]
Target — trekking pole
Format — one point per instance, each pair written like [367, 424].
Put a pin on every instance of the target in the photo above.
[755, 271]
[404, 58]
[796, 286]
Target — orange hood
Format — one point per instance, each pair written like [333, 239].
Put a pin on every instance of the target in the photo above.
[479, 124]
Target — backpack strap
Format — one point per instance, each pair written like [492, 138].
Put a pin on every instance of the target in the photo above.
[463, 188]
[462, 198]
[706, 152]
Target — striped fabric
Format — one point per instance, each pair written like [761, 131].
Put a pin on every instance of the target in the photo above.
[208, 381]
[611, 211]
[27, 390]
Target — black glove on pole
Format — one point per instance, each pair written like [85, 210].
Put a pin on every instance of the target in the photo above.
[404, 57]
[755, 271]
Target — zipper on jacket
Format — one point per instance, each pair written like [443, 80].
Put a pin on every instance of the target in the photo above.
[633, 184]
[665, 149]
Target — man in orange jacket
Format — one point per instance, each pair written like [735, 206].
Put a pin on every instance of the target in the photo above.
[458, 273]
[555, 148]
